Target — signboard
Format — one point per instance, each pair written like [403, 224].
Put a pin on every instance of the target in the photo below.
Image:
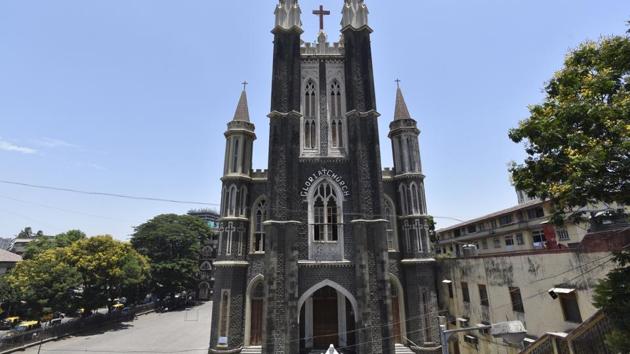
[325, 173]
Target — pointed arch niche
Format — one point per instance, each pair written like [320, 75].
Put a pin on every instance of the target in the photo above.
[325, 221]
[254, 309]
[309, 136]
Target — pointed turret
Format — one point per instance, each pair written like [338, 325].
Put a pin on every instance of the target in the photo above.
[355, 14]
[242, 109]
[401, 111]
[239, 137]
[288, 15]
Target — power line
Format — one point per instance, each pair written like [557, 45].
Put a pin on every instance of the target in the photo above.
[113, 195]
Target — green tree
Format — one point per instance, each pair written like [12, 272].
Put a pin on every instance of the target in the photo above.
[577, 139]
[108, 269]
[43, 243]
[612, 295]
[172, 244]
[45, 282]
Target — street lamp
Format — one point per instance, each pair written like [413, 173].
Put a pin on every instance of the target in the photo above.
[512, 332]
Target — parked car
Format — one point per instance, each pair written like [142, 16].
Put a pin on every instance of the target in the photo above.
[9, 322]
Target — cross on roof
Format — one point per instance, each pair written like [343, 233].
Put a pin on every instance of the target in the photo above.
[321, 13]
[244, 83]
[397, 82]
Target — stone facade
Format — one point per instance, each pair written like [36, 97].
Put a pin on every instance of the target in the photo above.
[338, 246]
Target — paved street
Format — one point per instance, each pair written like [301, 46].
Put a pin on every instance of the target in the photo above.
[172, 332]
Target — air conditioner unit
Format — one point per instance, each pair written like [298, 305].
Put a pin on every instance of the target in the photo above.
[470, 250]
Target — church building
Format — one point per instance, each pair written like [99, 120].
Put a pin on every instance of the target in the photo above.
[325, 246]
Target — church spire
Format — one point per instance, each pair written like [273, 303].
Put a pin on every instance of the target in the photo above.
[355, 14]
[242, 109]
[288, 15]
[401, 111]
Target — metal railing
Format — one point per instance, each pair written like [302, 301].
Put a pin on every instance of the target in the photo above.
[75, 325]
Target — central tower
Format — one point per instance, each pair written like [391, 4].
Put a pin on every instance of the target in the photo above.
[309, 253]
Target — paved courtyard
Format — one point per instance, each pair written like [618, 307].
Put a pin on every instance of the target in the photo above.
[172, 332]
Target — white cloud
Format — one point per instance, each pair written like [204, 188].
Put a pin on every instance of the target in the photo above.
[55, 143]
[7, 146]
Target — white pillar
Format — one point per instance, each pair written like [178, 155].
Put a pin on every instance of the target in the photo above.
[341, 320]
[308, 322]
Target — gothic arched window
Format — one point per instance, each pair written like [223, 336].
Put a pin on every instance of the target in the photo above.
[415, 203]
[243, 202]
[235, 153]
[336, 114]
[232, 200]
[390, 228]
[223, 201]
[326, 208]
[402, 190]
[259, 216]
[310, 115]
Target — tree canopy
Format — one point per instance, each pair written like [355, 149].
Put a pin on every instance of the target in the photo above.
[577, 138]
[45, 282]
[43, 243]
[172, 243]
[107, 267]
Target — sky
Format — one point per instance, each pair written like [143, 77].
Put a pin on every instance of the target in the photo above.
[133, 97]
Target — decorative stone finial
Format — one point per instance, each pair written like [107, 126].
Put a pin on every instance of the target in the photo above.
[288, 15]
[355, 14]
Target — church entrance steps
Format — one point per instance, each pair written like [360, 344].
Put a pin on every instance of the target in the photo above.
[252, 350]
[401, 349]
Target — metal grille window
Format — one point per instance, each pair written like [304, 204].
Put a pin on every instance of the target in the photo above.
[563, 234]
[483, 295]
[517, 300]
[519, 239]
[465, 294]
[497, 242]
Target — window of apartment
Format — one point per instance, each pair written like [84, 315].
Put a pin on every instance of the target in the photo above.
[535, 213]
[450, 290]
[517, 300]
[509, 241]
[519, 239]
[483, 295]
[497, 242]
[472, 228]
[481, 226]
[456, 233]
[465, 294]
[538, 237]
[493, 224]
[505, 219]
[563, 234]
[484, 244]
[570, 308]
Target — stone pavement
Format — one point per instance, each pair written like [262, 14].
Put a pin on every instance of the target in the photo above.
[186, 331]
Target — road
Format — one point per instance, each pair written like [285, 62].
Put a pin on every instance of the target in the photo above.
[171, 332]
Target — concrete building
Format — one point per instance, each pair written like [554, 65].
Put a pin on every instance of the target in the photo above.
[8, 260]
[18, 245]
[549, 289]
[325, 247]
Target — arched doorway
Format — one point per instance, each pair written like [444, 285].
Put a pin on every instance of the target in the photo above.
[327, 316]
[257, 301]
[254, 312]
[398, 309]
